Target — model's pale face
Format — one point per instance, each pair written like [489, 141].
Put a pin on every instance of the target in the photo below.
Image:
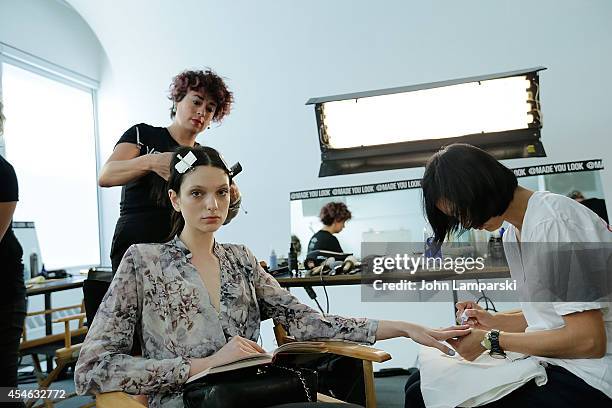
[204, 198]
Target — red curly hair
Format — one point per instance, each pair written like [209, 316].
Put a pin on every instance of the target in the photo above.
[331, 212]
[206, 82]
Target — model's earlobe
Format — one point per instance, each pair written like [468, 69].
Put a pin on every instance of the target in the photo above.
[174, 200]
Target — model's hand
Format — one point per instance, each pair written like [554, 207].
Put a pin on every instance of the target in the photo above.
[433, 337]
[469, 346]
[160, 164]
[238, 347]
[477, 316]
[235, 349]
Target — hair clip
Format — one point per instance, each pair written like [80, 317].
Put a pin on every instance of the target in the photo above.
[235, 170]
[185, 163]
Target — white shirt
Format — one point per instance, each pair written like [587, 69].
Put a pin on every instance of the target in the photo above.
[555, 218]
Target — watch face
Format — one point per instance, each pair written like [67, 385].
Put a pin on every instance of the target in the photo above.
[497, 355]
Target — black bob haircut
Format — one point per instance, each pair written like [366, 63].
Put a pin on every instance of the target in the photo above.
[472, 184]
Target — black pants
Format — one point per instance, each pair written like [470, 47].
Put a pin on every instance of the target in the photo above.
[12, 318]
[563, 389]
[148, 227]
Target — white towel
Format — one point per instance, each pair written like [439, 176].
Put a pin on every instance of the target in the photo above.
[453, 381]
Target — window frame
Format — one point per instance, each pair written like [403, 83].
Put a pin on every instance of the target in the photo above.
[29, 62]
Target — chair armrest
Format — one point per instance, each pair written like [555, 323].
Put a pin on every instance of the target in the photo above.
[116, 399]
[71, 317]
[356, 351]
[53, 310]
[69, 353]
[67, 333]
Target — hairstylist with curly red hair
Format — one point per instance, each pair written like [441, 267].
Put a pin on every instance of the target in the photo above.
[141, 159]
[140, 163]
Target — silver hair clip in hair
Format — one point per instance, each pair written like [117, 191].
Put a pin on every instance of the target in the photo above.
[185, 163]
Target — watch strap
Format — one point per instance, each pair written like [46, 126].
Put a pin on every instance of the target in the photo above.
[493, 336]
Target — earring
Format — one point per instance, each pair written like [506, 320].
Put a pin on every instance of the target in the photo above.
[208, 127]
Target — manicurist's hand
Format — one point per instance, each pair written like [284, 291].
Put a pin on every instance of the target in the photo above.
[477, 316]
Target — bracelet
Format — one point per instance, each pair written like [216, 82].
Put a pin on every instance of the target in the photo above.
[491, 343]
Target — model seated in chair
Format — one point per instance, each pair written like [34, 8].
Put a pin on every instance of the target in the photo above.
[197, 303]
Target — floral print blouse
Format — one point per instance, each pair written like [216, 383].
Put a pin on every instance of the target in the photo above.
[160, 295]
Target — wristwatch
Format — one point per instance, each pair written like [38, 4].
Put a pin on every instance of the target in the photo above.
[491, 343]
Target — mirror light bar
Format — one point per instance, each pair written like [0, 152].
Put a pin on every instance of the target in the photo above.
[418, 120]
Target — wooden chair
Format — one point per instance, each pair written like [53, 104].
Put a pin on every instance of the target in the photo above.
[366, 354]
[64, 356]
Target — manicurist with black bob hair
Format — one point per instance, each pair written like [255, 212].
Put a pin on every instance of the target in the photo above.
[465, 187]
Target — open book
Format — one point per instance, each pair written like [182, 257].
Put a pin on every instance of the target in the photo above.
[296, 347]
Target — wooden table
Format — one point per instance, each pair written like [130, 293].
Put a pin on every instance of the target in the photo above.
[489, 272]
[55, 285]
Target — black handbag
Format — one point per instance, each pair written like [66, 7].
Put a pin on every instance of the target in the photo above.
[255, 387]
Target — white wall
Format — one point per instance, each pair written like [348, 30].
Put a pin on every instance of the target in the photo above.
[277, 54]
[51, 30]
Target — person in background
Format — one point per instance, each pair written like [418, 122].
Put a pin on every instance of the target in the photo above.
[333, 216]
[297, 244]
[465, 187]
[13, 306]
[597, 205]
[197, 303]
